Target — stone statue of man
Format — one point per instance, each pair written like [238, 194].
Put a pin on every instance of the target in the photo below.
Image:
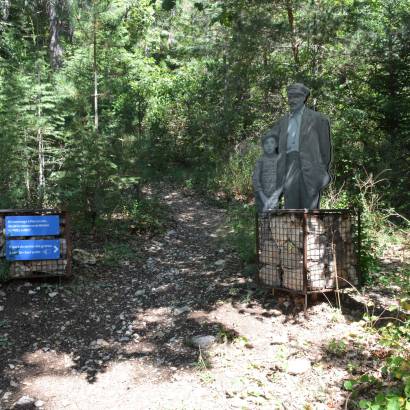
[304, 142]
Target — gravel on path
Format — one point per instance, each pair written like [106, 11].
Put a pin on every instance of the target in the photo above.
[172, 324]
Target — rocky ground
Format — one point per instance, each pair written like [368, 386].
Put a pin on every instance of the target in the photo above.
[171, 322]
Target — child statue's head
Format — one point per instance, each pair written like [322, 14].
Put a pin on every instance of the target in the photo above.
[270, 144]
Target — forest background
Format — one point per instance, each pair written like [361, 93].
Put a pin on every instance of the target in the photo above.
[99, 97]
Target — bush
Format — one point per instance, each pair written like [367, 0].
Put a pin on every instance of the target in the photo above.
[235, 177]
[377, 230]
[241, 220]
[147, 215]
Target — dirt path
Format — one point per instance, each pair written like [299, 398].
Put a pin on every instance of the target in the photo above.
[120, 336]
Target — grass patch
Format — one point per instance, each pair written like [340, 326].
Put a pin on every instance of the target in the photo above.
[4, 269]
[115, 253]
[241, 232]
[336, 347]
[147, 215]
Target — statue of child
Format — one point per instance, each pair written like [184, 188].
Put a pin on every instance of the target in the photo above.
[264, 177]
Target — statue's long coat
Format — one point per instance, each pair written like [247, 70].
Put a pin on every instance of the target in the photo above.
[314, 149]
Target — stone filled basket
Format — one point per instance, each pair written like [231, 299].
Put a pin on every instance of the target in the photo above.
[307, 251]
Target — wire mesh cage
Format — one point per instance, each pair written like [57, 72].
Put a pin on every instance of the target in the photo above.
[307, 251]
[53, 249]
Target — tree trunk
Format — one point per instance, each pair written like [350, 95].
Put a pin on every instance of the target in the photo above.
[56, 52]
[226, 115]
[294, 42]
[40, 143]
[265, 70]
[5, 9]
[27, 174]
[95, 69]
[41, 165]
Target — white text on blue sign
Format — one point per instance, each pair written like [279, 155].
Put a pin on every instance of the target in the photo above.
[32, 225]
[31, 249]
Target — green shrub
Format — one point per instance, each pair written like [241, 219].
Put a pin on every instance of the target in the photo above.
[147, 215]
[396, 370]
[4, 269]
[114, 253]
[377, 231]
[235, 176]
[241, 235]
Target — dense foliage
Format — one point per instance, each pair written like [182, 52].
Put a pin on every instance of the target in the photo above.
[99, 96]
[96, 95]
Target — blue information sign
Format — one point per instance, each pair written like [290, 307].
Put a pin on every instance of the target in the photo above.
[31, 249]
[35, 225]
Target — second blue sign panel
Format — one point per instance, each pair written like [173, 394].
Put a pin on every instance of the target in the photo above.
[31, 249]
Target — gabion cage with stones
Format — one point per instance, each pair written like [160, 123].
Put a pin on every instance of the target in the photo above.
[37, 268]
[308, 250]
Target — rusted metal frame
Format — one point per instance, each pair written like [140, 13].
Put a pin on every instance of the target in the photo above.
[359, 247]
[311, 211]
[69, 243]
[305, 292]
[28, 211]
[305, 285]
[257, 247]
[309, 292]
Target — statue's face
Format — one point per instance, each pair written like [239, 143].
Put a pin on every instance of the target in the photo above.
[269, 146]
[295, 99]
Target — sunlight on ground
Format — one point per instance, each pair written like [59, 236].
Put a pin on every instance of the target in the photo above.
[126, 385]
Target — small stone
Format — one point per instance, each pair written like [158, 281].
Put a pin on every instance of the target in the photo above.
[83, 257]
[101, 342]
[13, 384]
[298, 366]
[276, 312]
[7, 395]
[24, 402]
[140, 292]
[2, 294]
[11, 366]
[203, 342]
[317, 358]
[1, 308]
[39, 403]
[181, 310]
[32, 292]
[220, 262]
[294, 343]
[53, 294]
[320, 406]
[279, 340]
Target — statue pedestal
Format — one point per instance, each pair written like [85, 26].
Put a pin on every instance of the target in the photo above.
[308, 251]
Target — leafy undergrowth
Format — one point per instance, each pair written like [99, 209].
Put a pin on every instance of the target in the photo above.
[388, 387]
[241, 235]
